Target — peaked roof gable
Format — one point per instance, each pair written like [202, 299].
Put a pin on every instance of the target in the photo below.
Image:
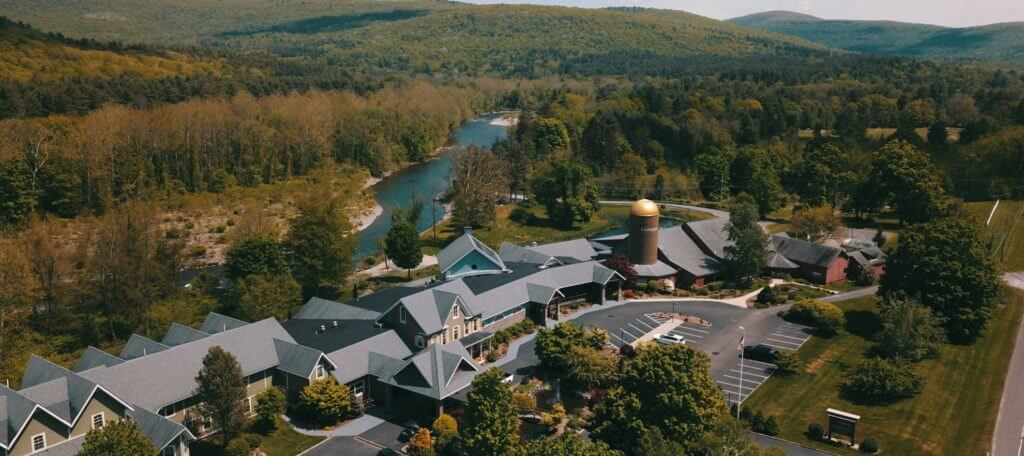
[463, 246]
[180, 334]
[139, 346]
[800, 251]
[298, 359]
[217, 323]
[94, 357]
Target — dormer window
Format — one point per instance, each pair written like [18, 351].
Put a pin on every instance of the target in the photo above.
[98, 421]
[456, 311]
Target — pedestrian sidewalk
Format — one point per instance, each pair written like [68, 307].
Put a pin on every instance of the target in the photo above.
[349, 429]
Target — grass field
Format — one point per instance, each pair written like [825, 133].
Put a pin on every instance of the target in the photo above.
[1005, 233]
[538, 229]
[953, 415]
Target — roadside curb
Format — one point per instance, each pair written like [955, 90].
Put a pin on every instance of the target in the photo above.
[787, 442]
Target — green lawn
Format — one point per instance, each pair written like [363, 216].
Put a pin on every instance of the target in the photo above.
[1005, 233]
[284, 441]
[953, 415]
[842, 285]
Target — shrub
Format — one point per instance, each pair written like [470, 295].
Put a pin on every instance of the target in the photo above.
[493, 355]
[269, 404]
[551, 420]
[787, 362]
[326, 401]
[500, 337]
[653, 285]
[869, 446]
[421, 444]
[883, 379]
[770, 427]
[189, 225]
[197, 251]
[767, 296]
[174, 233]
[642, 287]
[237, 447]
[220, 228]
[525, 401]
[826, 316]
[815, 431]
[253, 440]
[520, 215]
[231, 222]
[576, 423]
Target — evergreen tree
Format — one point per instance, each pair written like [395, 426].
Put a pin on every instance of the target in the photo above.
[17, 197]
[937, 133]
[402, 245]
[747, 256]
[220, 387]
[491, 424]
[713, 169]
[321, 245]
[117, 438]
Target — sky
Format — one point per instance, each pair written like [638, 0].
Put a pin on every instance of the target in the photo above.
[950, 13]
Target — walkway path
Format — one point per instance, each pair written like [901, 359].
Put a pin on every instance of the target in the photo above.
[1008, 438]
[867, 291]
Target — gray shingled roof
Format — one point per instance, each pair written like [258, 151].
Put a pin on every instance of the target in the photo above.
[66, 448]
[579, 249]
[540, 293]
[656, 269]
[461, 247]
[680, 250]
[94, 357]
[180, 334]
[296, 359]
[712, 234]
[216, 323]
[365, 357]
[777, 261]
[430, 307]
[325, 309]
[160, 430]
[437, 371]
[139, 346]
[169, 376]
[511, 253]
[15, 411]
[800, 251]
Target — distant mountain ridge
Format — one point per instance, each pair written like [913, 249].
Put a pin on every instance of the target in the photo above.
[995, 42]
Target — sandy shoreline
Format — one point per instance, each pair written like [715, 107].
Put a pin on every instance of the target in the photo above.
[367, 217]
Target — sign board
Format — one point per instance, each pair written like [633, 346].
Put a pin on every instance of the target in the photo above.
[842, 423]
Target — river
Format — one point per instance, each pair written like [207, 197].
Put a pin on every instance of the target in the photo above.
[427, 180]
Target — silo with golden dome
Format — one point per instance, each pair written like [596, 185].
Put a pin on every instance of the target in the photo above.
[643, 232]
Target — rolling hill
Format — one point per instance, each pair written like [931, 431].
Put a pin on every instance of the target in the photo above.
[428, 37]
[996, 42]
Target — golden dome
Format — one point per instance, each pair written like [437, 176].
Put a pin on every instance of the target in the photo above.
[644, 208]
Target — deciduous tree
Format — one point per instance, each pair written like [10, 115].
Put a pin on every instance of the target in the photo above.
[910, 184]
[117, 438]
[320, 245]
[402, 245]
[480, 179]
[491, 423]
[262, 296]
[747, 256]
[816, 224]
[564, 190]
[909, 330]
[256, 255]
[325, 401]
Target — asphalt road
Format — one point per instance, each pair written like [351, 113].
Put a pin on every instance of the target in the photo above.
[1009, 434]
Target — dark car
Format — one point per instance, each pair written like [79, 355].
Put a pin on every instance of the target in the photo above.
[410, 429]
[759, 352]
[388, 452]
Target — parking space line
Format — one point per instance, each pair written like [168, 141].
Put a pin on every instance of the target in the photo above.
[652, 319]
[738, 386]
[756, 362]
[782, 348]
[745, 380]
[798, 344]
[746, 373]
[694, 327]
[642, 332]
[776, 334]
[684, 333]
[649, 327]
[619, 338]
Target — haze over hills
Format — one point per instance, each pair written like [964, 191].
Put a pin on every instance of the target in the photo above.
[428, 37]
[995, 42]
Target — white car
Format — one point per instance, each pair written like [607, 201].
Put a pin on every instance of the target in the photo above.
[670, 339]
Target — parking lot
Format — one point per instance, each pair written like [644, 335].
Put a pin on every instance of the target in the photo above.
[720, 340]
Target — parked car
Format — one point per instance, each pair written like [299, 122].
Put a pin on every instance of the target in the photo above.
[388, 452]
[670, 339]
[759, 352]
[410, 429]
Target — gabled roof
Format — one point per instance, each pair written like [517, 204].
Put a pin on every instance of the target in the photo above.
[325, 309]
[711, 235]
[680, 250]
[15, 412]
[777, 261]
[168, 376]
[870, 256]
[161, 431]
[180, 334]
[296, 359]
[656, 269]
[438, 371]
[462, 246]
[800, 251]
[578, 249]
[540, 293]
[59, 390]
[94, 357]
[368, 356]
[511, 253]
[216, 323]
[139, 346]
[430, 308]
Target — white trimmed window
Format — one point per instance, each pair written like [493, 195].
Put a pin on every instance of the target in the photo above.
[247, 405]
[319, 373]
[401, 314]
[98, 421]
[455, 333]
[167, 451]
[39, 442]
[456, 311]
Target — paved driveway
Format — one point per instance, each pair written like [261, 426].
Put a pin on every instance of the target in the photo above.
[348, 446]
[1008, 438]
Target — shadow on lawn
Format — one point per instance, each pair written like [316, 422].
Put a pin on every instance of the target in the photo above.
[863, 323]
